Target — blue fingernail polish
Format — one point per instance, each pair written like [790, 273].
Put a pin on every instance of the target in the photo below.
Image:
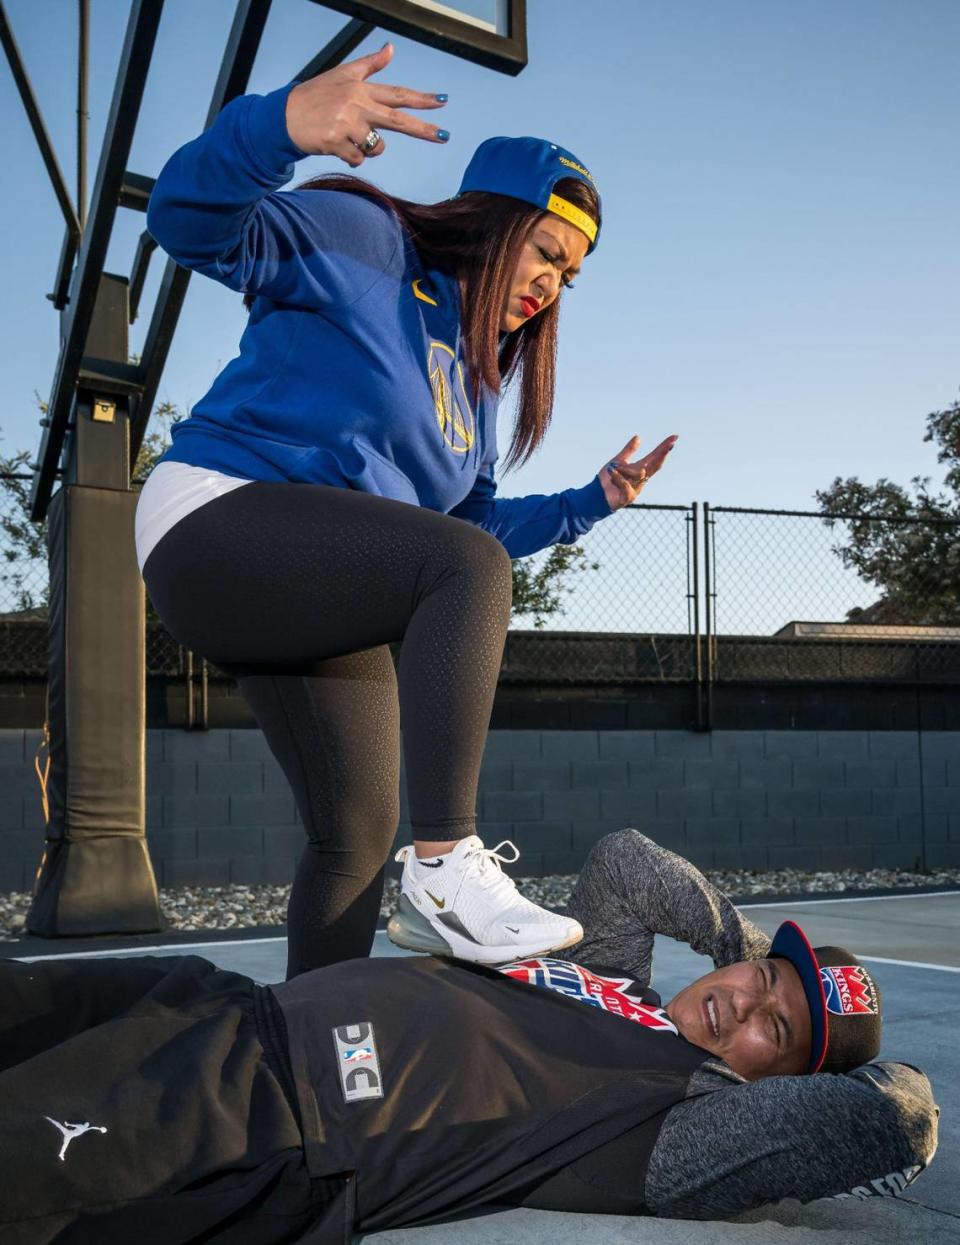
[443, 135]
[441, 99]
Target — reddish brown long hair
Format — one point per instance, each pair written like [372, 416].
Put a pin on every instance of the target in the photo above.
[478, 237]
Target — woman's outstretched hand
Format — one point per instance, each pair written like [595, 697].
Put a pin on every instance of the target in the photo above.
[332, 114]
[622, 480]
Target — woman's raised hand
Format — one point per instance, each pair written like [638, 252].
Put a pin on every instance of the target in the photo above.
[332, 114]
[623, 480]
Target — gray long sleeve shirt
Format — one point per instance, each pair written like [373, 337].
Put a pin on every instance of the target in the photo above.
[867, 1133]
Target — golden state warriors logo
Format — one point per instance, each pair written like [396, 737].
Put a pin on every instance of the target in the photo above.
[454, 414]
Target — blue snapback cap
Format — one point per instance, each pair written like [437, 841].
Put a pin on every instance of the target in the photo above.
[528, 169]
[843, 998]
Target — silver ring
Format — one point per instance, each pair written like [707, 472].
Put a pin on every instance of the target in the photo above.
[370, 142]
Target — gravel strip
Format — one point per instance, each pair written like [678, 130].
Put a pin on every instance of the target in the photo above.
[240, 907]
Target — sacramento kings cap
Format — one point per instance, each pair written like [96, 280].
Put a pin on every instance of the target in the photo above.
[528, 169]
[843, 998]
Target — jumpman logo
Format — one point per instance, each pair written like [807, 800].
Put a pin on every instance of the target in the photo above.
[70, 1131]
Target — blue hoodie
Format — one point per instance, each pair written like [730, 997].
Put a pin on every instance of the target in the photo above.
[350, 370]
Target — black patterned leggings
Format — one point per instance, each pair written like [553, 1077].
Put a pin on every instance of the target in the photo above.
[296, 590]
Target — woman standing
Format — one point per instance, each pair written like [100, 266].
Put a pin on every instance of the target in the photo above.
[333, 492]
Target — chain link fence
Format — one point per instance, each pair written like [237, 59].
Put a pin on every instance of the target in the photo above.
[653, 594]
[623, 611]
[25, 589]
[23, 551]
[803, 596]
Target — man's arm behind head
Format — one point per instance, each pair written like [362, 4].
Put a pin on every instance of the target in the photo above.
[863, 1134]
[631, 888]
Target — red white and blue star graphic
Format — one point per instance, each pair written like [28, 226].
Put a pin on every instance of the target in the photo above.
[576, 982]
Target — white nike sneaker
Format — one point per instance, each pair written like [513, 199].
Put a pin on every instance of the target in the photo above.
[464, 905]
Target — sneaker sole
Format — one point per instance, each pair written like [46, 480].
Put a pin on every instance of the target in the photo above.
[411, 930]
[408, 929]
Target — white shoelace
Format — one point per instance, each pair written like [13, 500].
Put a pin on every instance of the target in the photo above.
[489, 867]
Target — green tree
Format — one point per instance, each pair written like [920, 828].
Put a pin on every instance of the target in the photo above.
[23, 576]
[537, 594]
[905, 540]
[156, 440]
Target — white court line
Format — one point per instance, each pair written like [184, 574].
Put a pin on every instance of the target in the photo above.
[871, 959]
[163, 946]
[804, 903]
[940, 968]
[382, 933]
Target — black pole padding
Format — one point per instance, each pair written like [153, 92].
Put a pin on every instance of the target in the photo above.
[95, 875]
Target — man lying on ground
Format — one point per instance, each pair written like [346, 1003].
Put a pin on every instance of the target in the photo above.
[784, 1133]
[163, 1100]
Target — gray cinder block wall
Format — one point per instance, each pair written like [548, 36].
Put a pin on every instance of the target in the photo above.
[219, 809]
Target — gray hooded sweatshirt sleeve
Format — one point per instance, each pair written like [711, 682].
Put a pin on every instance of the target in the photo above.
[719, 1153]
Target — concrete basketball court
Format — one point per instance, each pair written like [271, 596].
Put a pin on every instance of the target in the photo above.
[913, 947]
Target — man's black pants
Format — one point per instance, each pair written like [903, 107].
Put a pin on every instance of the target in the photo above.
[142, 1101]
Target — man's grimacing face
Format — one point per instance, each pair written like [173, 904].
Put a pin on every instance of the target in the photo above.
[550, 257]
[752, 1014]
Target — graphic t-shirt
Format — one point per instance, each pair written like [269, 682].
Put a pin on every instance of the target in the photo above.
[576, 982]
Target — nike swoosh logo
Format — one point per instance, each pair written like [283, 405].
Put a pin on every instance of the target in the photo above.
[441, 903]
[512, 930]
[425, 298]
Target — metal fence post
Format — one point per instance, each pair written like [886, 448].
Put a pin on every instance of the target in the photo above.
[693, 598]
[709, 603]
[197, 708]
[186, 656]
[920, 767]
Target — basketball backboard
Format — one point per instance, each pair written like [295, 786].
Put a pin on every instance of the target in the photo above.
[492, 33]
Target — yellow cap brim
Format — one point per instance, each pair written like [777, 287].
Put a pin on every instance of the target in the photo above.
[570, 212]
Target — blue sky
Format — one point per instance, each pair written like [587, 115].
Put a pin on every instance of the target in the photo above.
[777, 279]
